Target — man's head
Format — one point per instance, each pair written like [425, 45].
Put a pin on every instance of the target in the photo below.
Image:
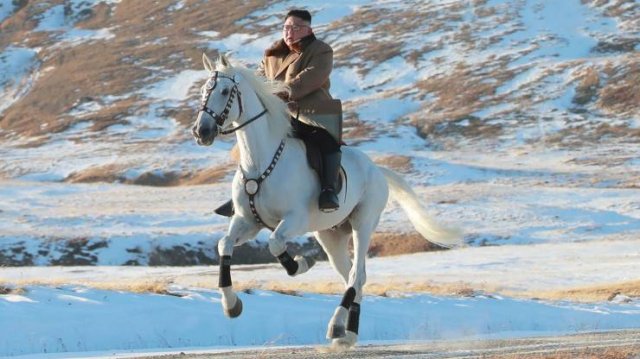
[297, 25]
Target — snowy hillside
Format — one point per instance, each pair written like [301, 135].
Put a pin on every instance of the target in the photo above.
[515, 120]
[475, 102]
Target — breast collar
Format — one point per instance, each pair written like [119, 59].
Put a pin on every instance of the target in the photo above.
[252, 185]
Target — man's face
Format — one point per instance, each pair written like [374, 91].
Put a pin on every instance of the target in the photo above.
[294, 29]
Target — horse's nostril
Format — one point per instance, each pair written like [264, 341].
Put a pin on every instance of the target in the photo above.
[204, 132]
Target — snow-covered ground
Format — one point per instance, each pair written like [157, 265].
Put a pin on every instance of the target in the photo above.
[80, 320]
[68, 315]
[536, 217]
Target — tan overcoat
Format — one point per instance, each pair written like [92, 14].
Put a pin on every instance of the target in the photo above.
[307, 74]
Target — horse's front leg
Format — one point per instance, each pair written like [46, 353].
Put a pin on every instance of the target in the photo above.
[293, 224]
[239, 232]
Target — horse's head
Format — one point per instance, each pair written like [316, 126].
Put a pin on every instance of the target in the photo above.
[220, 103]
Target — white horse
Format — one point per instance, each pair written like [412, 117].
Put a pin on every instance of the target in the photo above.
[274, 187]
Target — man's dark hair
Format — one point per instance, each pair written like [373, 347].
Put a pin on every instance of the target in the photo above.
[300, 14]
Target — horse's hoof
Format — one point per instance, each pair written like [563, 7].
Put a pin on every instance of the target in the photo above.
[346, 342]
[235, 311]
[304, 264]
[336, 331]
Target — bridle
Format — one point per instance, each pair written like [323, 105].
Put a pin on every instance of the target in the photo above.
[251, 185]
[222, 118]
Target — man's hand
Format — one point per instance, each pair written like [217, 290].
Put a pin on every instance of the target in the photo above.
[293, 107]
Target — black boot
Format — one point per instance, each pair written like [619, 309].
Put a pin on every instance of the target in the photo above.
[226, 209]
[328, 201]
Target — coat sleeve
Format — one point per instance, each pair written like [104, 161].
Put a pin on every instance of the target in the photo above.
[313, 76]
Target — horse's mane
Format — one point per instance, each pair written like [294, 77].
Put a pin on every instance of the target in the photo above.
[265, 90]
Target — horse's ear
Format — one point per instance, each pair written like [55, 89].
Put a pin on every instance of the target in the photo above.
[224, 61]
[207, 63]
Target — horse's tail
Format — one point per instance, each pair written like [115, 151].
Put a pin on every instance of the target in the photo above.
[423, 223]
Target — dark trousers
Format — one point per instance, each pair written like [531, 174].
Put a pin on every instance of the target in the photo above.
[318, 136]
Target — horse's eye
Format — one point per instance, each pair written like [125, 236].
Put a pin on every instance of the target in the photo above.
[225, 92]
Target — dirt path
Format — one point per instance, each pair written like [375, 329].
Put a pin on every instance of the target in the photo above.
[614, 344]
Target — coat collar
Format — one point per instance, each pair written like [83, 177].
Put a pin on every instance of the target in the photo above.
[280, 48]
[304, 43]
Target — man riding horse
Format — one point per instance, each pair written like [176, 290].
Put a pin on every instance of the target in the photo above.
[304, 63]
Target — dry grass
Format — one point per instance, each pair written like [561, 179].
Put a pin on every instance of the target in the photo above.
[355, 130]
[141, 49]
[484, 11]
[12, 290]
[588, 82]
[115, 173]
[391, 289]
[395, 162]
[133, 286]
[396, 287]
[208, 176]
[377, 286]
[460, 93]
[115, 67]
[621, 94]
[385, 244]
[578, 136]
[391, 35]
[104, 173]
[597, 293]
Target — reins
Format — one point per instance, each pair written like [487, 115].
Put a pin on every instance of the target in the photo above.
[234, 129]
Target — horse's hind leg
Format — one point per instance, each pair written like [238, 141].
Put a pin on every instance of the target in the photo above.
[335, 243]
[238, 233]
[364, 220]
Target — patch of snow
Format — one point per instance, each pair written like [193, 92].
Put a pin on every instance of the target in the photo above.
[177, 88]
[18, 70]
[6, 9]
[177, 6]
[55, 20]
[245, 47]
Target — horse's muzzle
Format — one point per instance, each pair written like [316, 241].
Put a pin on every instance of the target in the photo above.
[203, 132]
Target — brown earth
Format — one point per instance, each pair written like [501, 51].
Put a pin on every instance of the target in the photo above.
[97, 68]
[141, 48]
[112, 173]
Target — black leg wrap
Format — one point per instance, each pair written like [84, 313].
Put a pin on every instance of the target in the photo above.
[288, 263]
[225, 272]
[354, 318]
[348, 298]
